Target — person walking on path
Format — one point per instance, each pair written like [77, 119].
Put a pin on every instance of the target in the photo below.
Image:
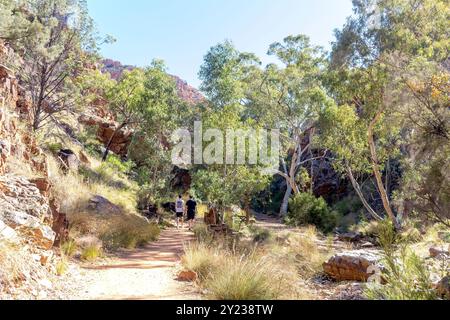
[191, 211]
[179, 209]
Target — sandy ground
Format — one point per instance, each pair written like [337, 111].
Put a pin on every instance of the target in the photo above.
[148, 273]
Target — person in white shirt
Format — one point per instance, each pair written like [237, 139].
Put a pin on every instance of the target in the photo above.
[179, 209]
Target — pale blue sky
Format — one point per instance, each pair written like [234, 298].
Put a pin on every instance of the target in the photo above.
[181, 31]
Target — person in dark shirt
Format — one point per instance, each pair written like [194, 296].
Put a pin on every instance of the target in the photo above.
[191, 211]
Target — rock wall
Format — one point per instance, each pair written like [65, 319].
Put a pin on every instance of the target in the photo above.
[27, 211]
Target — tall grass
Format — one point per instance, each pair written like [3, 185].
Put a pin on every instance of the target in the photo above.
[69, 248]
[245, 279]
[62, 266]
[12, 265]
[129, 232]
[74, 190]
[236, 272]
[203, 259]
[91, 253]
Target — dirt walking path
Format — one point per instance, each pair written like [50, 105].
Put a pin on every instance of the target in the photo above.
[143, 274]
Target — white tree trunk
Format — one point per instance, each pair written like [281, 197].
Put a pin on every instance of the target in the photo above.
[285, 203]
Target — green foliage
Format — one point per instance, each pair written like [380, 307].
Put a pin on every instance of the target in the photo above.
[121, 166]
[306, 209]
[223, 74]
[348, 205]
[344, 134]
[407, 278]
[54, 148]
[397, 68]
[14, 24]
[406, 274]
[57, 40]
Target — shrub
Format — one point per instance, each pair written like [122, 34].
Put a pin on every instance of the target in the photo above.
[406, 274]
[411, 235]
[407, 278]
[119, 165]
[13, 263]
[91, 252]
[348, 205]
[306, 209]
[368, 229]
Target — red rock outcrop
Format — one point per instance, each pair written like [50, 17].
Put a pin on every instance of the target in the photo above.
[106, 129]
[185, 91]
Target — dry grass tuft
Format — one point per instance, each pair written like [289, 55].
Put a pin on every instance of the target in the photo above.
[129, 232]
[12, 265]
[91, 253]
[232, 270]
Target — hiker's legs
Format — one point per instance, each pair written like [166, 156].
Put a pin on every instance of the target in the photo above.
[179, 217]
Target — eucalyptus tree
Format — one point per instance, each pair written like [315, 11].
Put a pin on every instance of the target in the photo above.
[291, 98]
[54, 54]
[386, 62]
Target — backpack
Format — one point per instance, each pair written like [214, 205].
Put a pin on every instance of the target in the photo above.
[179, 204]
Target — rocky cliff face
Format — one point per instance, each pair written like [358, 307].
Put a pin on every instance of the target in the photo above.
[28, 214]
[185, 91]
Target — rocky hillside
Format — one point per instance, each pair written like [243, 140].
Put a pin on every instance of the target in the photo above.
[185, 91]
[30, 217]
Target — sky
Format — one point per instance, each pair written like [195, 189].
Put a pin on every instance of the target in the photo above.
[181, 31]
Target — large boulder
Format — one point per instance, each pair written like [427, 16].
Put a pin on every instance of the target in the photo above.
[102, 205]
[358, 265]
